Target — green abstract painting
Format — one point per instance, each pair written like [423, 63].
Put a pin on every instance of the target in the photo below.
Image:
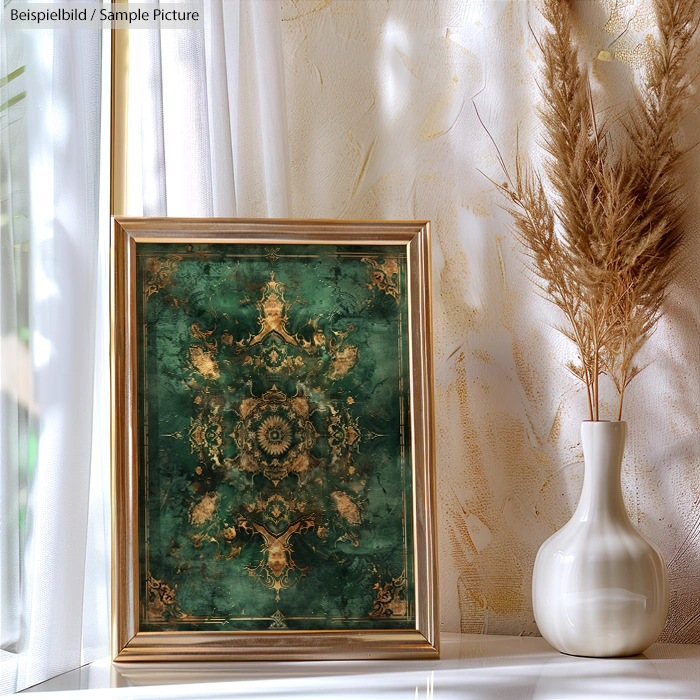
[275, 489]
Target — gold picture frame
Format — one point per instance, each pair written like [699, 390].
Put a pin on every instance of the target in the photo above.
[137, 637]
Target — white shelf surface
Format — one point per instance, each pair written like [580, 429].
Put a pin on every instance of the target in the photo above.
[475, 667]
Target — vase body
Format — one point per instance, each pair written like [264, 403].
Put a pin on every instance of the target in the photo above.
[600, 587]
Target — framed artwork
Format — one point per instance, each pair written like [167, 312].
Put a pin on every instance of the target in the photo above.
[272, 440]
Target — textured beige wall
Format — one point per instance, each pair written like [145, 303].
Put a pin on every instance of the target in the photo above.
[382, 125]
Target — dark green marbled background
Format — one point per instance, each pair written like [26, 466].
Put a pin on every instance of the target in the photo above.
[301, 350]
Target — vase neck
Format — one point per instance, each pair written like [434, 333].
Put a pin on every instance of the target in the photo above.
[603, 448]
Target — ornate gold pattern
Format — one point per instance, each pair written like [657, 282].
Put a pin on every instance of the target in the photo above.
[159, 272]
[345, 434]
[274, 435]
[276, 508]
[203, 357]
[162, 600]
[390, 599]
[277, 565]
[205, 434]
[384, 276]
[271, 255]
[278, 622]
[204, 510]
[273, 315]
[204, 362]
[347, 508]
[343, 361]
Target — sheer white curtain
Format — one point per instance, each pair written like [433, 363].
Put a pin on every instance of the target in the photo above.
[208, 137]
[208, 116]
[54, 469]
[17, 407]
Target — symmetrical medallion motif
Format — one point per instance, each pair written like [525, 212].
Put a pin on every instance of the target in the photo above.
[277, 438]
[274, 435]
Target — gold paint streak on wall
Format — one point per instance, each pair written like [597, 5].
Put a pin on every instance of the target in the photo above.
[363, 168]
[481, 210]
[456, 317]
[472, 611]
[555, 430]
[484, 356]
[471, 450]
[501, 261]
[527, 374]
[295, 9]
[435, 121]
[411, 67]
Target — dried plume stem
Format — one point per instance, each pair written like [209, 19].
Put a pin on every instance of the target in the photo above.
[602, 239]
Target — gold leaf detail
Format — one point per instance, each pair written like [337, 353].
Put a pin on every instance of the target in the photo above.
[204, 511]
[204, 362]
[346, 507]
[159, 273]
[343, 361]
[384, 276]
[390, 598]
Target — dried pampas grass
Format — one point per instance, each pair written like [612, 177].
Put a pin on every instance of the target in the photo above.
[602, 235]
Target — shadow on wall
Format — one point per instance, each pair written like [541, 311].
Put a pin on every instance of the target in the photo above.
[382, 125]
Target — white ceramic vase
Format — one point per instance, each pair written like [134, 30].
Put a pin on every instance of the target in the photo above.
[600, 587]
